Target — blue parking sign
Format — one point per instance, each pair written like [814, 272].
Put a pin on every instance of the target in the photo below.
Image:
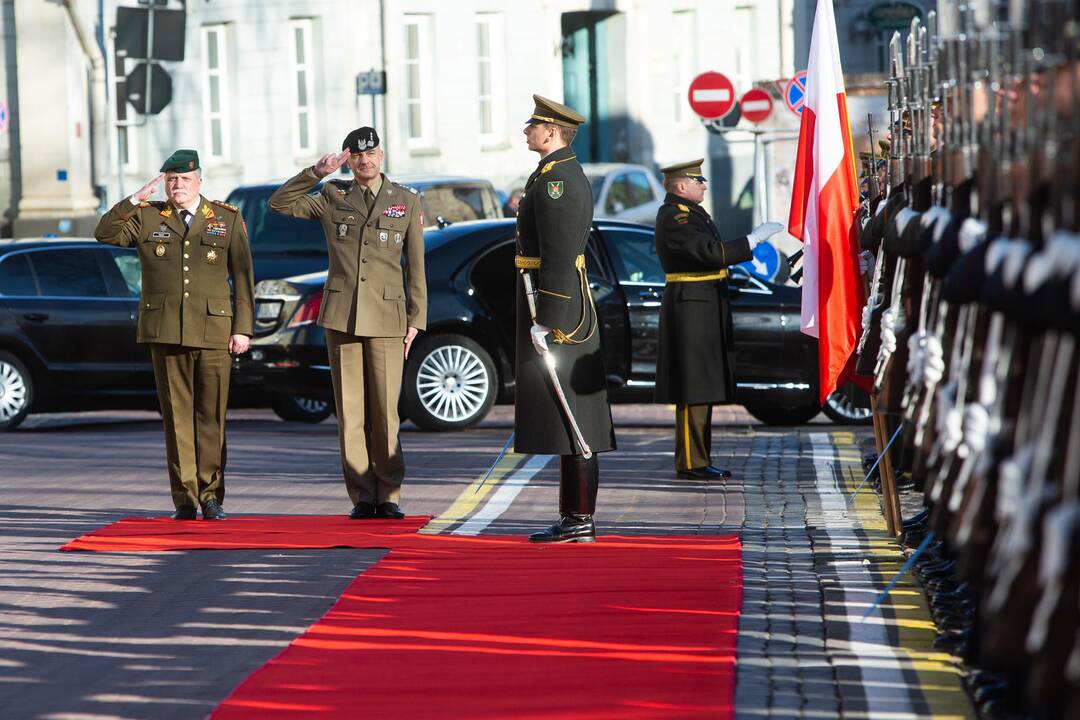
[766, 262]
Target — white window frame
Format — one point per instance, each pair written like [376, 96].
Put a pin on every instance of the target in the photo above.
[221, 73]
[683, 62]
[425, 100]
[305, 27]
[496, 66]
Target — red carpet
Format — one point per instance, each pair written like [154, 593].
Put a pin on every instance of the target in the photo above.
[487, 627]
[450, 627]
[252, 531]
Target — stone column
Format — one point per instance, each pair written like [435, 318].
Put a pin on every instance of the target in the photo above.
[54, 125]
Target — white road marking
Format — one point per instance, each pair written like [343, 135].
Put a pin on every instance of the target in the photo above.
[500, 500]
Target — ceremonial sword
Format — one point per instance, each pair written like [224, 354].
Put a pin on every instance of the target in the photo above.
[549, 363]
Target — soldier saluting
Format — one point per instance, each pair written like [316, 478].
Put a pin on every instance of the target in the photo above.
[696, 364]
[553, 224]
[189, 248]
[371, 225]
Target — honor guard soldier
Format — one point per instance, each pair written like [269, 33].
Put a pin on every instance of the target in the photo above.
[371, 321]
[695, 367]
[559, 323]
[189, 249]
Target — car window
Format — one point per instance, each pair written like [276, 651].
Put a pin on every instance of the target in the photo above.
[269, 232]
[618, 198]
[639, 191]
[69, 273]
[597, 182]
[16, 278]
[127, 264]
[454, 203]
[636, 254]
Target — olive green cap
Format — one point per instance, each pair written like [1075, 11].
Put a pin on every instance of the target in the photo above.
[181, 161]
[691, 169]
[549, 111]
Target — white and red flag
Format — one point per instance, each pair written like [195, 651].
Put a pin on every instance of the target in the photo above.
[824, 199]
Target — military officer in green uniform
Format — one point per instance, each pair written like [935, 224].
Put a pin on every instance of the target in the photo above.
[189, 249]
[696, 363]
[373, 307]
[553, 223]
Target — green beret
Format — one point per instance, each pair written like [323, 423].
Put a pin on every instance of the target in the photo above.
[181, 161]
[691, 169]
[549, 111]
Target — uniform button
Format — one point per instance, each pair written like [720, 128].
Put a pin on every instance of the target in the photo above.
[185, 294]
[362, 279]
[363, 260]
[187, 280]
[185, 256]
[187, 242]
[365, 242]
[185, 268]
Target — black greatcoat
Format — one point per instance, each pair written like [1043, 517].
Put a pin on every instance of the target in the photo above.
[553, 223]
[696, 363]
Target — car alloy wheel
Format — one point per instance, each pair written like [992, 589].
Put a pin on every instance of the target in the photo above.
[452, 383]
[16, 392]
[849, 405]
[301, 409]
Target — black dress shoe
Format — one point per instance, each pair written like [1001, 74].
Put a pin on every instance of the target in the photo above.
[389, 511]
[185, 512]
[362, 511]
[720, 472]
[571, 528]
[211, 510]
[701, 473]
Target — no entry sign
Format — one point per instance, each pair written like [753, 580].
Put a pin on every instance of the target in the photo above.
[756, 105]
[711, 95]
[796, 92]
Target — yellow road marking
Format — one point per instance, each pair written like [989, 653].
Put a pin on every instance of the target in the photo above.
[471, 497]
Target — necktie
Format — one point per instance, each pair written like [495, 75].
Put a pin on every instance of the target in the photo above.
[186, 216]
[369, 198]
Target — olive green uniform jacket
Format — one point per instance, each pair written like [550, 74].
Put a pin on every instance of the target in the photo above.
[696, 361]
[553, 224]
[365, 291]
[185, 271]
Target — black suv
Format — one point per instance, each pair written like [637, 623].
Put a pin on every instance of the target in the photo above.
[464, 362]
[283, 246]
[68, 316]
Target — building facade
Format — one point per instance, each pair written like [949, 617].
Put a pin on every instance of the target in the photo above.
[267, 86]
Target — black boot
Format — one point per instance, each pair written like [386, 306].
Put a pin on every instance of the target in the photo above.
[579, 481]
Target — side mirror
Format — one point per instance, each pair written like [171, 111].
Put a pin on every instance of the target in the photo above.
[442, 222]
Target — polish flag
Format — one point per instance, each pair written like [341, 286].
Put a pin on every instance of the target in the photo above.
[825, 196]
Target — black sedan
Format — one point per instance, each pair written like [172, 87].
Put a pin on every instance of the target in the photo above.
[464, 363]
[68, 314]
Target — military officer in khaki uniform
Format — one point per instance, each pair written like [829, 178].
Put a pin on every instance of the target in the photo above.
[189, 248]
[695, 368]
[370, 319]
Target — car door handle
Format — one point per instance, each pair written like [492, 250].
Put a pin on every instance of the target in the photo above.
[649, 295]
[36, 317]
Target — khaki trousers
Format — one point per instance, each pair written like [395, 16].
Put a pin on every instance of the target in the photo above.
[693, 436]
[367, 384]
[193, 392]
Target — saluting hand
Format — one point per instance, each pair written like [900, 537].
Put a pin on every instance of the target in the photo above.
[147, 191]
[409, 337]
[330, 163]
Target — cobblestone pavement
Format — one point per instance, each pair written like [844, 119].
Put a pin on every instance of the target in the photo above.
[133, 636]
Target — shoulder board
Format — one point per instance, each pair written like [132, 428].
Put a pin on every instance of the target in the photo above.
[152, 203]
[404, 187]
[225, 205]
[684, 208]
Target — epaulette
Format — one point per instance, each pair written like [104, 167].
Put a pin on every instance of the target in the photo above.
[225, 205]
[406, 187]
[152, 203]
[342, 186]
[684, 208]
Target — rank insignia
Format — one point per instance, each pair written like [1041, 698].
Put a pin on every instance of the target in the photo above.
[217, 228]
[211, 256]
[555, 189]
[160, 250]
[395, 211]
[397, 238]
[342, 230]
